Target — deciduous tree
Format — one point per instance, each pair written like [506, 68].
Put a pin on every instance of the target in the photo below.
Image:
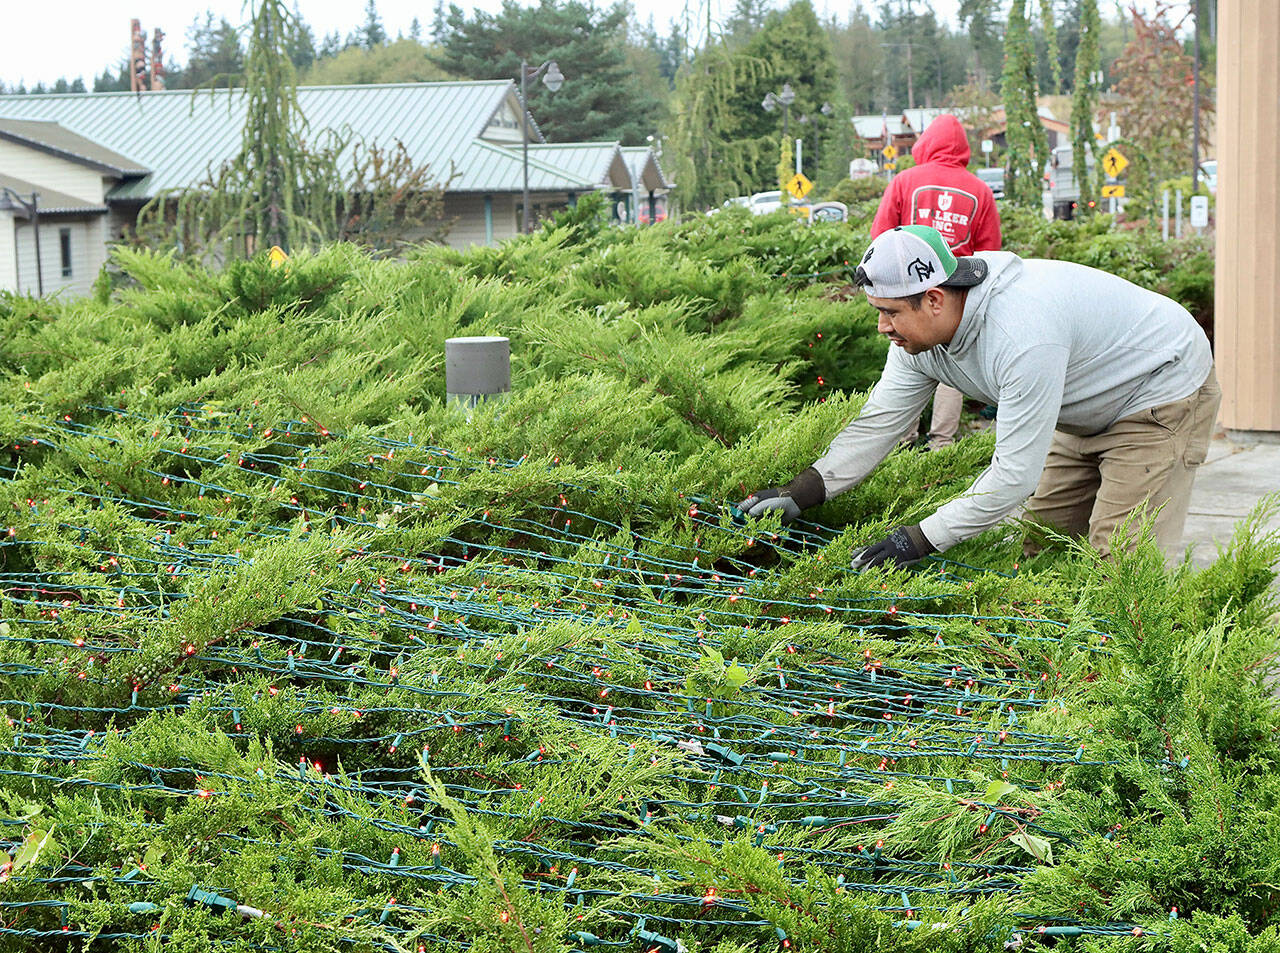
[1156, 88]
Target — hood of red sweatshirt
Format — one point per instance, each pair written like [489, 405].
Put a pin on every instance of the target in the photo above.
[943, 141]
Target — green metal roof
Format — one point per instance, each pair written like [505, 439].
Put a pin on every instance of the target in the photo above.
[180, 135]
[48, 136]
[646, 170]
[600, 163]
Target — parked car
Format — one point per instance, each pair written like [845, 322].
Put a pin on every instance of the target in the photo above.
[994, 177]
[762, 203]
[829, 212]
[659, 210]
[1064, 193]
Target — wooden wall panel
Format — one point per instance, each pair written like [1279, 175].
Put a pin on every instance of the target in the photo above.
[1247, 273]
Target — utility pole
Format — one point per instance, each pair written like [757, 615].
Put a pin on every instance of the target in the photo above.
[1195, 109]
[911, 24]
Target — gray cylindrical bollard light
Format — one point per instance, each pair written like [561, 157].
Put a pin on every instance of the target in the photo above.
[476, 369]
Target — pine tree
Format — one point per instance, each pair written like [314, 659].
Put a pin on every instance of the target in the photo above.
[372, 33]
[1028, 144]
[214, 54]
[600, 98]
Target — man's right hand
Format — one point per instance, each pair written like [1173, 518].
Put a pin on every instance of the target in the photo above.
[763, 502]
[804, 491]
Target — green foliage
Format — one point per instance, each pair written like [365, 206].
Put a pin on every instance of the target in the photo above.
[600, 98]
[1084, 103]
[1156, 99]
[280, 190]
[283, 626]
[400, 61]
[725, 143]
[1026, 138]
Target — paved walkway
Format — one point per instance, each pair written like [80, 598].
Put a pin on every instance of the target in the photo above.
[1229, 485]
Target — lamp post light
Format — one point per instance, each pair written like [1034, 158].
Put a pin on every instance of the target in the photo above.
[817, 121]
[553, 79]
[32, 209]
[785, 97]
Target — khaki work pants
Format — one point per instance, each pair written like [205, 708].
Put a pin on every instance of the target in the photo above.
[1090, 485]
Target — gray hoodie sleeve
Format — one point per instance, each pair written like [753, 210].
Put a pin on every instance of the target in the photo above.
[1031, 385]
[894, 403]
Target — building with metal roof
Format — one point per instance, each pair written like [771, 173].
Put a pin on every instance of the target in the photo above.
[469, 134]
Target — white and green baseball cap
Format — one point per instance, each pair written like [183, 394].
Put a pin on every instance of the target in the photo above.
[910, 259]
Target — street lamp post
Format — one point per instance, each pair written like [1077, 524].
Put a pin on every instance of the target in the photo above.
[817, 135]
[553, 79]
[32, 209]
[785, 97]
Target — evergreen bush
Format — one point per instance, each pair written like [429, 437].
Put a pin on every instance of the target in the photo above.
[300, 657]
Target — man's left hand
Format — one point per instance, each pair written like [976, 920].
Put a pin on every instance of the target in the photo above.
[904, 546]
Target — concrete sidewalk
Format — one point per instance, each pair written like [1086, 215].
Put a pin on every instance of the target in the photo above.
[1229, 485]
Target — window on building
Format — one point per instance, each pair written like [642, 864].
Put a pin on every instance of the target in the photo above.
[64, 244]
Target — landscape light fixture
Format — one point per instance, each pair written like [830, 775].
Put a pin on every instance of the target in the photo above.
[32, 209]
[553, 79]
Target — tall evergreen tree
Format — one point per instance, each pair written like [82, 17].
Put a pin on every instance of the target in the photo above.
[113, 82]
[1049, 27]
[214, 54]
[301, 42]
[979, 19]
[859, 59]
[600, 98]
[1084, 101]
[1028, 144]
[372, 33]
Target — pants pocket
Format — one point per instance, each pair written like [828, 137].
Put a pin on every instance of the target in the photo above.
[1204, 415]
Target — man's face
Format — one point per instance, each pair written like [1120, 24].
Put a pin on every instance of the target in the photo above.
[915, 330]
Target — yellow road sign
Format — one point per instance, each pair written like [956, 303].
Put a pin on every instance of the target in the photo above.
[277, 256]
[1114, 163]
[890, 151]
[799, 185]
[1113, 191]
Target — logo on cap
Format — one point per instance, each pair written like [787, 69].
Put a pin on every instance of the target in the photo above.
[920, 269]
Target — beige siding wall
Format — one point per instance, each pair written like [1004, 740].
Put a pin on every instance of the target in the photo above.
[8, 253]
[51, 172]
[88, 252]
[467, 212]
[1247, 273]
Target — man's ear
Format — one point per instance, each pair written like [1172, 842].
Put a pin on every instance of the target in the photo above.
[934, 300]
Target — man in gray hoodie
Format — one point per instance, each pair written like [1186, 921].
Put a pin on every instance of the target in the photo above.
[1106, 394]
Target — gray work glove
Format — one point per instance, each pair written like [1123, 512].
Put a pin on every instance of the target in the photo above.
[904, 546]
[804, 491]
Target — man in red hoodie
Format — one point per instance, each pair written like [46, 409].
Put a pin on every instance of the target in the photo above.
[941, 192]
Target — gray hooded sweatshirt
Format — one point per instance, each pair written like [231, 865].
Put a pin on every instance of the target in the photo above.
[1054, 345]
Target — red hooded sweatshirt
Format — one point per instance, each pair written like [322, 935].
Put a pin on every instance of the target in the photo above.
[939, 191]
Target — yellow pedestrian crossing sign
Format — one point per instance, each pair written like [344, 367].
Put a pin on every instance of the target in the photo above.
[1114, 163]
[1113, 191]
[890, 151]
[799, 185]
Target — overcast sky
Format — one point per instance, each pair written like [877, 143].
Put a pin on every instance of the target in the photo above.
[48, 39]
